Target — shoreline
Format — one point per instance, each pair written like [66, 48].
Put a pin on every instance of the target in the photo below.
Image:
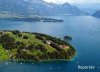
[31, 61]
[41, 61]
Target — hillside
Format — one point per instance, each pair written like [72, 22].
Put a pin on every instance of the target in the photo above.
[16, 45]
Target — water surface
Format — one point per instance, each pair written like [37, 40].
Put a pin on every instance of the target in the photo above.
[85, 31]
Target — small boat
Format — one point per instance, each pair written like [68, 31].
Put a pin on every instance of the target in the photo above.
[7, 63]
[21, 63]
[50, 68]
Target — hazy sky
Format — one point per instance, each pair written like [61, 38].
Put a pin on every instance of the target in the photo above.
[74, 1]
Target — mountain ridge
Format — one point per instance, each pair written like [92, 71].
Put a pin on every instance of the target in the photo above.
[39, 7]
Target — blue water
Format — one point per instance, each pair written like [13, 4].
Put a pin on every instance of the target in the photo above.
[85, 31]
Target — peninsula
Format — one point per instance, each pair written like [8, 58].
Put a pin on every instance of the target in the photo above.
[32, 19]
[16, 45]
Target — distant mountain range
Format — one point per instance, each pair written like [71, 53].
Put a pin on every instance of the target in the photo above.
[36, 7]
[97, 14]
[88, 7]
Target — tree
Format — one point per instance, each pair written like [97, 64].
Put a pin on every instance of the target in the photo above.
[31, 47]
[25, 37]
[67, 38]
[7, 41]
[20, 35]
[56, 46]
[16, 32]
[1, 33]
[41, 38]
[41, 47]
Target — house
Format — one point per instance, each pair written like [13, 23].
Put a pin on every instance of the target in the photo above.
[49, 42]
[64, 46]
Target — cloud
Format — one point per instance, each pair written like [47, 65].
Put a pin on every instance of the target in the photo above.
[74, 1]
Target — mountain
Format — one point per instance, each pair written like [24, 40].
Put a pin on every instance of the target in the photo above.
[88, 7]
[38, 7]
[97, 14]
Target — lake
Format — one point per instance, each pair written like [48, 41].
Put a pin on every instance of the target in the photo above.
[85, 31]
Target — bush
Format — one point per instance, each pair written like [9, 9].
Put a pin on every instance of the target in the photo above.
[41, 47]
[21, 45]
[41, 38]
[54, 55]
[1, 33]
[18, 43]
[54, 39]
[16, 32]
[54, 45]
[30, 47]
[25, 37]
[20, 35]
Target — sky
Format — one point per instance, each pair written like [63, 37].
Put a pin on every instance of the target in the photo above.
[73, 1]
